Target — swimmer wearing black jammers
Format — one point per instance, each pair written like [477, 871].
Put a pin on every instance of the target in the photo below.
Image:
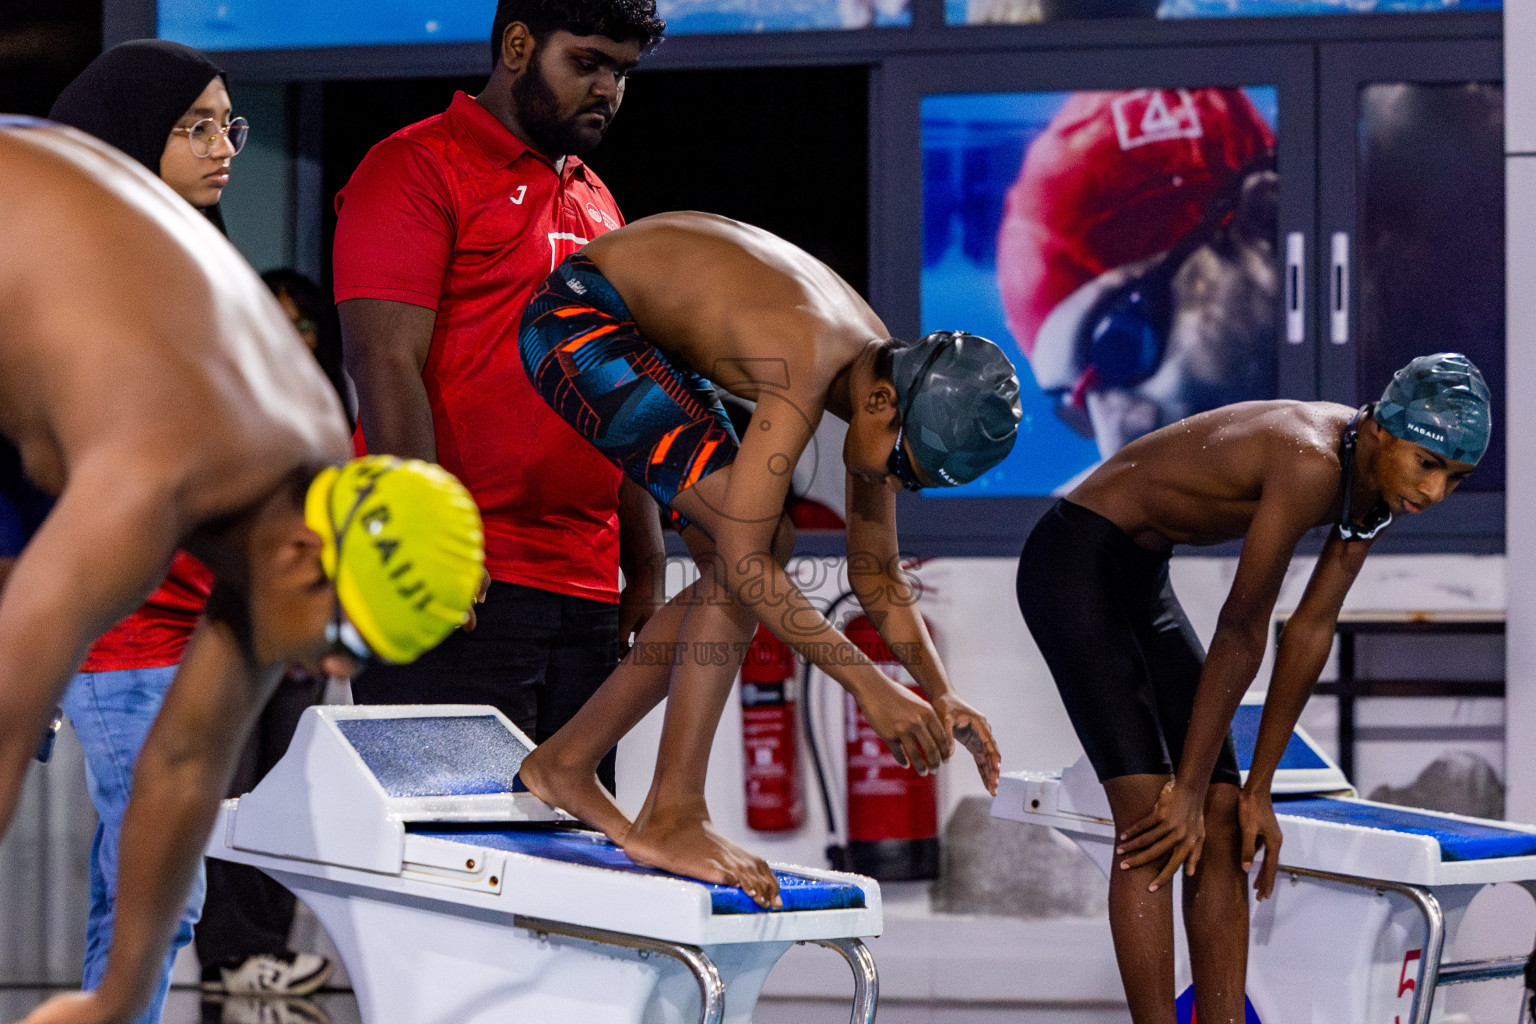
[1152, 709]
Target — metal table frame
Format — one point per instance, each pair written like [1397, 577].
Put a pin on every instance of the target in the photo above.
[1432, 972]
[866, 982]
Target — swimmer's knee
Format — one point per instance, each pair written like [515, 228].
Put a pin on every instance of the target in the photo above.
[1221, 796]
[1221, 822]
[1132, 797]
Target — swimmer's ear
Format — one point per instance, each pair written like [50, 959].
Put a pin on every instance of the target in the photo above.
[881, 396]
[296, 554]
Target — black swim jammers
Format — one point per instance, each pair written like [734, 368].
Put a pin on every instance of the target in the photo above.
[1122, 651]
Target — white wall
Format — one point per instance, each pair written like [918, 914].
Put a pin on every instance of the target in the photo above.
[1520, 144]
[988, 651]
[45, 874]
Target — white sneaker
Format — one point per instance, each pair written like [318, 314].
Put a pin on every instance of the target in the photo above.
[269, 974]
[254, 1010]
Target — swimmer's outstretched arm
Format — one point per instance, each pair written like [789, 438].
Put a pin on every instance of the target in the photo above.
[1297, 494]
[108, 540]
[889, 598]
[1304, 647]
[745, 518]
[181, 776]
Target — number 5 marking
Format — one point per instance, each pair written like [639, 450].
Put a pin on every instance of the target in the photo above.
[1405, 983]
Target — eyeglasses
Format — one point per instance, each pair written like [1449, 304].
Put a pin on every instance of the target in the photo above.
[899, 464]
[206, 132]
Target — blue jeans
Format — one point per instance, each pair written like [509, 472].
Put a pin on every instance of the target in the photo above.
[111, 713]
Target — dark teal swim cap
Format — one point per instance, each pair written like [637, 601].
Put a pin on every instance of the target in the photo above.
[959, 400]
[1439, 402]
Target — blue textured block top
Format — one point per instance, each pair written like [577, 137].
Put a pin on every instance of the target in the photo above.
[578, 846]
[1245, 735]
[1459, 840]
[467, 755]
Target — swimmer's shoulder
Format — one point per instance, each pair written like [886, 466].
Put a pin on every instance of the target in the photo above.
[1308, 428]
[45, 163]
[685, 232]
[1300, 443]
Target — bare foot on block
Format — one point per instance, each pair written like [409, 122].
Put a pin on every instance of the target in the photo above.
[575, 790]
[687, 844]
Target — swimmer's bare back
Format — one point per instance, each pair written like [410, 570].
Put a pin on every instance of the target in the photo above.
[133, 336]
[737, 304]
[1199, 481]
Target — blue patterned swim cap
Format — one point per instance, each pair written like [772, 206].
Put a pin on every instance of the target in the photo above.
[1439, 402]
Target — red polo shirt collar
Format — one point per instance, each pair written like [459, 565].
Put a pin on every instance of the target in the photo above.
[500, 146]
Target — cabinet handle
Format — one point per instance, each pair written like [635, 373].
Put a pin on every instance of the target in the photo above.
[1338, 286]
[1295, 288]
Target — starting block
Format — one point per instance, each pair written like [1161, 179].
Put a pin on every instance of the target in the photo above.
[457, 897]
[1367, 896]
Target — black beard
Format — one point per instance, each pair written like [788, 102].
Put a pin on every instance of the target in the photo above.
[538, 114]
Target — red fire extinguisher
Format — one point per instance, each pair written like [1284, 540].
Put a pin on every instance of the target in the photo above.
[768, 735]
[893, 820]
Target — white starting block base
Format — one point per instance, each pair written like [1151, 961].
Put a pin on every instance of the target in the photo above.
[454, 899]
[1366, 899]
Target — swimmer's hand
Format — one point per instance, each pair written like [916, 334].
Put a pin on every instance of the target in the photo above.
[76, 1008]
[638, 601]
[1256, 818]
[908, 725]
[474, 620]
[970, 727]
[1175, 829]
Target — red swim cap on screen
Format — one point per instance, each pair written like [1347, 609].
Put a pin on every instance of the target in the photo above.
[1114, 178]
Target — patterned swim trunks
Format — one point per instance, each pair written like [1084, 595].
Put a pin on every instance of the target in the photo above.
[662, 425]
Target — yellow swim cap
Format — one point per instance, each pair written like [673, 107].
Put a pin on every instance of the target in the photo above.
[404, 545]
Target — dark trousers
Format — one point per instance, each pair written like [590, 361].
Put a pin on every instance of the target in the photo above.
[246, 913]
[535, 655]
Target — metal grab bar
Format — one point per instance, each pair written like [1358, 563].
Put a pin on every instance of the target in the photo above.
[866, 981]
[711, 988]
[1493, 969]
[1434, 931]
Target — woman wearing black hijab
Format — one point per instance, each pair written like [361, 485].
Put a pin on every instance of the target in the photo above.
[166, 106]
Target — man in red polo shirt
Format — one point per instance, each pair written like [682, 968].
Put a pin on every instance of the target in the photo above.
[443, 233]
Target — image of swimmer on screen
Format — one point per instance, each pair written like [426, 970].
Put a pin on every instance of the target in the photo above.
[1151, 708]
[623, 341]
[165, 402]
[1120, 245]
